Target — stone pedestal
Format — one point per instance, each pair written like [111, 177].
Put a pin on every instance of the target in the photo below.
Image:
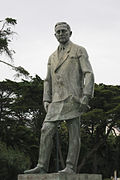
[57, 176]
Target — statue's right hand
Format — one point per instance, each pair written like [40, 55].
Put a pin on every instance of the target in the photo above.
[46, 104]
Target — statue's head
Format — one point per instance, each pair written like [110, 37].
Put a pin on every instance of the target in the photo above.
[62, 32]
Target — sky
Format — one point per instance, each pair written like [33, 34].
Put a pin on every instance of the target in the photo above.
[95, 25]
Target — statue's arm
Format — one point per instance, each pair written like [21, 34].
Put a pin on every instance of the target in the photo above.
[47, 94]
[88, 85]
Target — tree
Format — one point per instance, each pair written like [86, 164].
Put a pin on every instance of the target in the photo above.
[96, 128]
[21, 115]
[13, 161]
[6, 35]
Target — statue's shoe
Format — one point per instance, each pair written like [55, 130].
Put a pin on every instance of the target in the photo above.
[36, 170]
[67, 170]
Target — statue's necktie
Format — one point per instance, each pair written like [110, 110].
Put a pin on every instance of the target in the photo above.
[61, 53]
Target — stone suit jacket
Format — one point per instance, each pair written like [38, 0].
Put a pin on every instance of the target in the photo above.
[67, 81]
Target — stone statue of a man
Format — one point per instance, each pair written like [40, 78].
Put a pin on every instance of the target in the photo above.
[67, 89]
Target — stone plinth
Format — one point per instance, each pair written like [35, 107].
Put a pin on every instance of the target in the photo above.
[57, 176]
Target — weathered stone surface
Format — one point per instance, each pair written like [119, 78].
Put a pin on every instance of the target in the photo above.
[57, 176]
[68, 87]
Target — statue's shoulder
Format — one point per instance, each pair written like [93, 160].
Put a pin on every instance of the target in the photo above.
[78, 46]
[54, 53]
[51, 57]
[78, 49]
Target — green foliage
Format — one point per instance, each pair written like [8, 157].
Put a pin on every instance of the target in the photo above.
[21, 71]
[22, 114]
[99, 152]
[13, 162]
[11, 21]
[5, 36]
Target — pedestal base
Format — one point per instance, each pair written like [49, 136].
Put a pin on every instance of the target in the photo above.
[57, 176]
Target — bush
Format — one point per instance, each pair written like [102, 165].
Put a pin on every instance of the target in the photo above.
[12, 162]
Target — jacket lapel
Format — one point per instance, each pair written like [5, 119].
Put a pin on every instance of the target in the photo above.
[64, 57]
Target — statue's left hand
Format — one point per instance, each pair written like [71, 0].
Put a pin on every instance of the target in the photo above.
[84, 103]
[46, 104]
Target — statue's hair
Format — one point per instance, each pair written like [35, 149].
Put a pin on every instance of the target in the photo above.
[63, 23]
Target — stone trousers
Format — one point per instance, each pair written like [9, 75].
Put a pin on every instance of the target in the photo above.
[46, 141]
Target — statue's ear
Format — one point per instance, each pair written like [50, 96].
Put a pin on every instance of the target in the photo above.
[70, 33]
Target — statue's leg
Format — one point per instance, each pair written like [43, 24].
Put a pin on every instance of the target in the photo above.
[46, 143]
[74, 143]
[74, 146]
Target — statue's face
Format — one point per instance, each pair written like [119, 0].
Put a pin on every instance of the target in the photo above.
[62, 34]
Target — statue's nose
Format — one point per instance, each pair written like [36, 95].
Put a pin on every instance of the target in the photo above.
[61, 32]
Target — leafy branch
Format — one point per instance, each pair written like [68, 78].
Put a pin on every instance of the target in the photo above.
[20, 70]
[5, 36]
